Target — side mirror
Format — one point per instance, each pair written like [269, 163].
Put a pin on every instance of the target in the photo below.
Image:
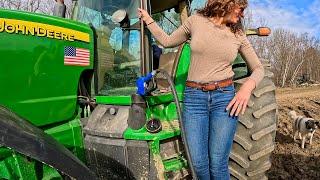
[261, 31]
[121, 17]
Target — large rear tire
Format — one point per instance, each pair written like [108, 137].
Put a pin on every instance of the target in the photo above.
[255, 137]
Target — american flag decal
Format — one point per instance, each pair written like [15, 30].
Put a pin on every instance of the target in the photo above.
[76, 56]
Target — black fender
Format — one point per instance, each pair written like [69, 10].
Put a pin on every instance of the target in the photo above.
[23, 137]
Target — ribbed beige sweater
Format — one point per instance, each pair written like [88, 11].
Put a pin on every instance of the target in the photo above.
[213, 49]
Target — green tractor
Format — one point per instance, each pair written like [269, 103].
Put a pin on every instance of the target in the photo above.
[69, 107]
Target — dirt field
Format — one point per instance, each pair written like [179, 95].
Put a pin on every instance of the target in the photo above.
[289, 161]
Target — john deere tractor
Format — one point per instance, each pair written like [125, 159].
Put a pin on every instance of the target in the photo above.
[78, 101]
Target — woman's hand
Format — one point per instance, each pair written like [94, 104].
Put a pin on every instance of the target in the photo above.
[241, 99]
[144, 15]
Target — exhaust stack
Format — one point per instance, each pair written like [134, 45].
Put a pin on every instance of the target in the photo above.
[59, 8]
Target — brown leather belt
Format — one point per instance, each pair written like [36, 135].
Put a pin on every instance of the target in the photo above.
[211, 85]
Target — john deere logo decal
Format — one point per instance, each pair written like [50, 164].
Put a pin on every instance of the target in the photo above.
[41, 30]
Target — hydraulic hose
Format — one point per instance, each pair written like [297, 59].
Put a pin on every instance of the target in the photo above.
[176, 100]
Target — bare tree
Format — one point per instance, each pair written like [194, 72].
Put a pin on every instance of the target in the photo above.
[38, 6]
[295, 58]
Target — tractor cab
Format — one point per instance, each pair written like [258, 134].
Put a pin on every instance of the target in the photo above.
[124, 47]
[118, 48]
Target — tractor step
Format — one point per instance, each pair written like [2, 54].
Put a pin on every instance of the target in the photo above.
[175, 164]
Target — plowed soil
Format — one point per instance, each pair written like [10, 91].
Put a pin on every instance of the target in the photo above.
[289, 161]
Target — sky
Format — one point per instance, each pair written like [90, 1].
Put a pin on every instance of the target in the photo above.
[300, 16]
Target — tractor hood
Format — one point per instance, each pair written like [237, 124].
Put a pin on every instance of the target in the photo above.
[38, 73]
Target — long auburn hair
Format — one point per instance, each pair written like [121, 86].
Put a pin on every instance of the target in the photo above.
[220, 8]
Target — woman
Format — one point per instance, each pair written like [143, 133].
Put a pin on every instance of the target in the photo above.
[210, 104]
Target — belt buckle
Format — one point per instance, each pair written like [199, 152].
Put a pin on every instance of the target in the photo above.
[217, 85]
[203, 88]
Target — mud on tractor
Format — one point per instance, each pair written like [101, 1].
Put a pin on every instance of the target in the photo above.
[69, 106]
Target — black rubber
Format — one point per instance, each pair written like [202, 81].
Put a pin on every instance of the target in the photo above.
[19, 135]
[255, 137]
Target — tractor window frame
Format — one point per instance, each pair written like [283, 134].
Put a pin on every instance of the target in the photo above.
[118, 49]
[169, 21]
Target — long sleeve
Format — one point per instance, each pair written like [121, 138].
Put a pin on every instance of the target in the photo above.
[176, 38]
[249, 55]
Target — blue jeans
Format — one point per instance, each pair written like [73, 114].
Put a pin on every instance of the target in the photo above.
[209, 130]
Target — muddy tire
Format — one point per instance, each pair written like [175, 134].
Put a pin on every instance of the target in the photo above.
[255, 137]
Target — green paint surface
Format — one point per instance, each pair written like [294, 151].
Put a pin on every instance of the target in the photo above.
[17, 166]
[35, 82]
[39, 87]
[175, 164]
[114, 100]
[70, 135]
